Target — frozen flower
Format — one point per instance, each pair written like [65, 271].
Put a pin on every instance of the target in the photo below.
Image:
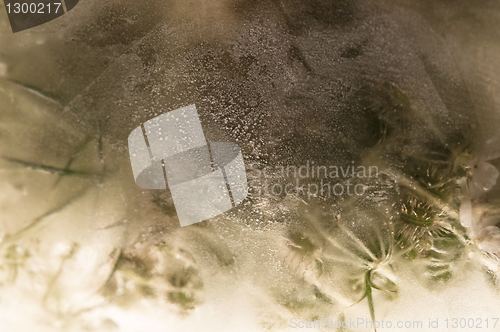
[484, 174]
[482, 222]
[482, 226]
[489, 239]
[484, 177]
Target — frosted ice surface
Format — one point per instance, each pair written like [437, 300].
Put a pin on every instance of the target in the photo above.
[411, 89]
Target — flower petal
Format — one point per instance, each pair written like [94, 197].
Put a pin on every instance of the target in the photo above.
[489, 239]
[485, 176]
[466, 213]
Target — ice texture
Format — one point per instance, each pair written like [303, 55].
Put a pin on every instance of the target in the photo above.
[410, 87]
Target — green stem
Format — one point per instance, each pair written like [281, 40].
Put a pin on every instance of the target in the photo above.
[369, 296]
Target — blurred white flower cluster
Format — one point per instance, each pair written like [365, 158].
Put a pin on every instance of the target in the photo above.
[479, 216]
